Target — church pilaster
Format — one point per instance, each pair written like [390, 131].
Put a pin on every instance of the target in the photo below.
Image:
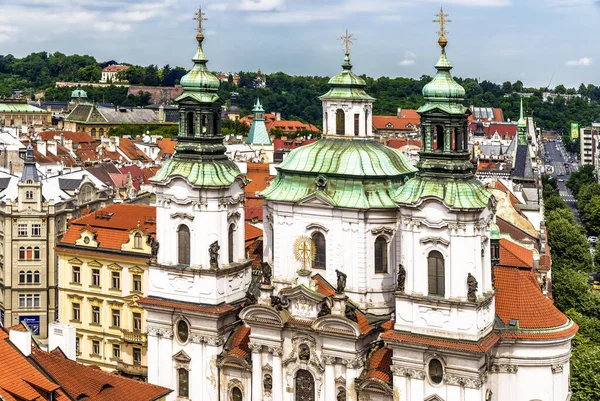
[257, 387]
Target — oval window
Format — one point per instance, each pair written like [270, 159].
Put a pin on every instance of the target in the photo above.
[182, 331]
[436, 371]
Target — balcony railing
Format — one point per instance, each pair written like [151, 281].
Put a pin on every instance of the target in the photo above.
[132, 370]
[135, 337]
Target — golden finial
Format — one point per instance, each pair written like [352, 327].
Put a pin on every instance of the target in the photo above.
[347, 40]
[442, 21]
[199, 16]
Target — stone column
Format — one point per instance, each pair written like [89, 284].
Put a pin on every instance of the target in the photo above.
[153, 355]
[166, 374]
[353, 369]
[257, 383]
[329, 377]
[277, 373]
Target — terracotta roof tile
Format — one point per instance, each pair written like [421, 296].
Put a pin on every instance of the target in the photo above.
[20, 379]
[279, 144]
[379, 365]
[408, 120]
[239, 342]
[131, 152]
[323, 285]
[76, 137]
[97, 385]
[112, 232]
[515, 255]
[167, 148]
[482, 346]
[363, 323]
[252, 232]
[187, 306]
[513, 199]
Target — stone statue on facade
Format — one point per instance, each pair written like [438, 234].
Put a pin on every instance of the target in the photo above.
[303, 353]
[213, 251]
[267, 383]
[472, 288]
[325, 310]
[350, 313]
[267, 273]
[341, 395]
[341, 281]
[154, 250]
[250, 298]
[488, 395]
[401, 277]
[277, 303]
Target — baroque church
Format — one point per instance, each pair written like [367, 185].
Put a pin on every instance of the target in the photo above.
[380, 281]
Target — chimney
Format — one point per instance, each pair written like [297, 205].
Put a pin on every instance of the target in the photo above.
[41, 147]
[52, 147]
[21, 340]
[278, 116]
[399, 112]
[68, 143]
[161, 113]
[62, 336]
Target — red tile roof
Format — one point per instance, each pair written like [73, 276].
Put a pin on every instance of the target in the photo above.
[131, 152]
[219, 309]
[397, 143]
[323, 286]
[505, 130]
[115, 68]
[513, 199]
[75, 137]
[137, 175]
[112, 232]
[290, 126]
[518, 296]
[515, 255]
[379, 365]
[94, 384]
[239, 342]
[407, 122]
[482, 346]
[167, 146]
[252, 232]
[515, 232]
[279, 143]
[20, 379]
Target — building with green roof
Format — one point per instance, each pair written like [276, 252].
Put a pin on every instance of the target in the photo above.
[18, 113]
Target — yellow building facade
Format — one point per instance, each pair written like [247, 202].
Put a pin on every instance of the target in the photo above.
[103, 271]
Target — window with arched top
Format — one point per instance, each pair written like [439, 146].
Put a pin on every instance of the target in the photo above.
[435, 266]
[231, 241]
[439, 137]
[101, 131]
[36, 253]
[29, 277]
[183, 245]
[21, 277]
[29, 255]
[137, 241]
[340, 122]
[381, 255]
[93, 132]
[22, 253]
[236, 394]
[320, 250]
[190, 123]
[36, 277]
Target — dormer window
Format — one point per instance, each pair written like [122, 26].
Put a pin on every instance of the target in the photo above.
[137, 241]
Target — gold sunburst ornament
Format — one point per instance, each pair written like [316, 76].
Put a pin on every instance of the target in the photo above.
[304, 250]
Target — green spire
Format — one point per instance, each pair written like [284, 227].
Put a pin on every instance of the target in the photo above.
[199, 82]
[258, 134]
[522, 127]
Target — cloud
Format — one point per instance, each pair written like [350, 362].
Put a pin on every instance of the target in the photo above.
[410, 55]
[405, 63]
[261, 5]
[475, 3]
[582, 62]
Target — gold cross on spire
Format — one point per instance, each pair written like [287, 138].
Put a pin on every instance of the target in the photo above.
[199, 16]
[442, 20]
[347, 40]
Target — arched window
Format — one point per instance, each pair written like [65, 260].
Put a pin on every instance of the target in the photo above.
[340, 122]
[439, 136]
[183, 385]
[435, 264]
[22, 253]
[93, 132]
[231, 241]
[36, 253]
[29, 253]
[320, 254]
[236, 394]
[101, 131]
[21, 277]
[183, 243]
[381, 255]
[190, 123]
[305, 385]
[36, 277]
[137, 241]
[29, 277]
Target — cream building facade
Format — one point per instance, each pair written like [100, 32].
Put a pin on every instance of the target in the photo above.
[103, 265]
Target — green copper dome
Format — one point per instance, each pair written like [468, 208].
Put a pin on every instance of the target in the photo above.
[211, 173]
[199, 79]
[494, 231]
[443, 92]
[343, 172]
[79, 93]
[347, 85]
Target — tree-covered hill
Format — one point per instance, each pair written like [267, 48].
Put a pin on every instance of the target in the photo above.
[295, 97]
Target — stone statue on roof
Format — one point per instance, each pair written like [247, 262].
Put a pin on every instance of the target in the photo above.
[213, 251]
[472, 288]
[341, 281]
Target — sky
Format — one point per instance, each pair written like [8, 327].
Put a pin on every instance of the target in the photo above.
[535, 41]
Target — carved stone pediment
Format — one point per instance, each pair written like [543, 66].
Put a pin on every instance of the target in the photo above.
[182, 357]
[435, 241]
[337, 325]
[317, 199]
[304, 303]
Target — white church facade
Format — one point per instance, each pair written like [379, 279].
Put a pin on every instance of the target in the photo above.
[379, 282]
